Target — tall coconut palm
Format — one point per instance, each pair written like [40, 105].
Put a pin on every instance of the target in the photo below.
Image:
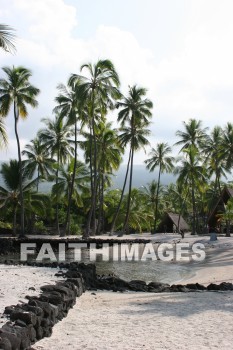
[69, 106]
[17, 91]
[134, 118]
[193, 134]
[215, 156]
[109, 157]
[56, 137]
[227, 145]
[38, 160]
[150, 192]
[191, 172]
[160, 158]
[7, 38]
[99, 87]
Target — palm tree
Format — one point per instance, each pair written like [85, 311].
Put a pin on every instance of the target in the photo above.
[215, 156]
[227, 145]
[3, 135]
[38, 160]
[159, 157]
[69, 107]
[7, 38]
[63, 185]
[177, 200]
[139, 216]
[16, 90]
[227, 216]
[10, 192]
[56, 138]
[193, 135]
[150, 192]
[109, 157]
[191, 173]
[99, 88]
[134, 117]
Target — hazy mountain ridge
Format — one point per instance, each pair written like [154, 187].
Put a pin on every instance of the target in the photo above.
[141, 177]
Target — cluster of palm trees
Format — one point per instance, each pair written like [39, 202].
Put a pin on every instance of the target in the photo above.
[81, 190]
[80, 122]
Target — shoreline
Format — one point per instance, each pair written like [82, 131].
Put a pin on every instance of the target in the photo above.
[105, 320]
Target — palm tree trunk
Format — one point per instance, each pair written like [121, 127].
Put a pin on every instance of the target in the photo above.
[67, 223]
[38, 179]
[22, 230]
[122, 194]
[180, 212]
[100, 203]
[94, 186]
[126, 226]
[57, 214]
[194, 210]
[228, 228]
[157, 200]
[14, 222]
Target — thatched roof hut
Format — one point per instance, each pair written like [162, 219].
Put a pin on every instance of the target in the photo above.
[171, 221]
[219, 207]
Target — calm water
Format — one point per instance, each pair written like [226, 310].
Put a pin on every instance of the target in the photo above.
[156, 271]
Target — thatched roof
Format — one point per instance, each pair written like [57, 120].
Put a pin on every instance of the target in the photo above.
[225, 195]
[171, 219]
[175, 220]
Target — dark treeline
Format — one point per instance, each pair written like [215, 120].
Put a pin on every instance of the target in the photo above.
[81, 200]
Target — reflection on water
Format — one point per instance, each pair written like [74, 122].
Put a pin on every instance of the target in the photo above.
[156, 271]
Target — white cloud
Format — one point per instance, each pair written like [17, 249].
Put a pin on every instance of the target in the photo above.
[194, 80]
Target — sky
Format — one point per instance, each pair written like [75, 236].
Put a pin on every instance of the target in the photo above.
[180, 50]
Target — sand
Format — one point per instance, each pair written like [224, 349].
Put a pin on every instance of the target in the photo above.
[133, 321]
[18, 281]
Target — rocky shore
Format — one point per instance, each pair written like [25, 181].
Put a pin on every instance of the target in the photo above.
[31, 321]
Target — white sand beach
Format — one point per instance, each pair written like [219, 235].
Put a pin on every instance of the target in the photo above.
[133, 321]
[18, 281]
[108, 321]
[145, 321]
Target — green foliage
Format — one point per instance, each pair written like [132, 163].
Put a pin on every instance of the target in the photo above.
[5, 225]
[40, 226]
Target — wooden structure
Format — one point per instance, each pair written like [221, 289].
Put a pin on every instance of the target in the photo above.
[170, 223]
[219, 208]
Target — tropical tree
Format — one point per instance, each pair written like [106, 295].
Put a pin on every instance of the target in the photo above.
[227, 145]
[69, 106]
[191, 173]
[140, 216]
[10, 192]
[3, 135]
[17, 91]
[109, 157]
[7, 38]
[215, 157]
[63, 185]
[176, 198]
[100, 88]
[227, 216]
[38, 160]
[134, 118]
[56, 138]
[150, 193]
[193, 134]
[160, 157]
